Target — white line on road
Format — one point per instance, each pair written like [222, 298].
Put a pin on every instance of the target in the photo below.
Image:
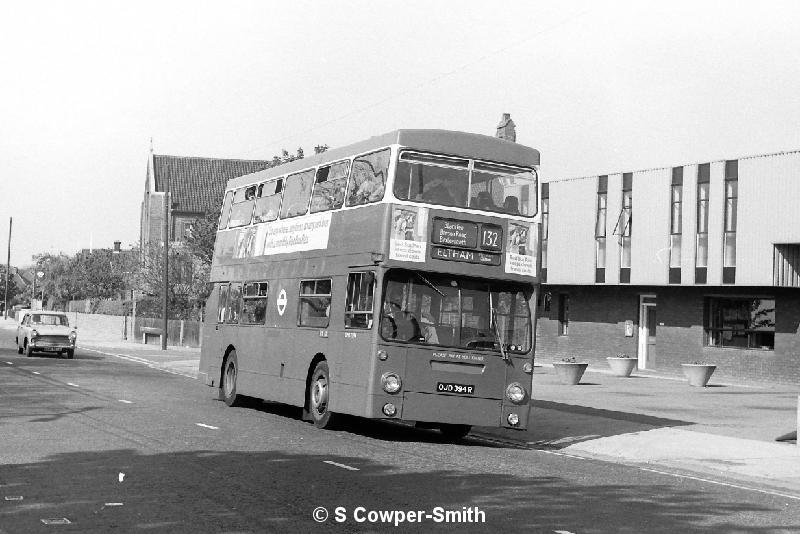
[36, 372]
[726, 484]
[112, 504]
[125, 401]
[10, 363]
[343, 466]
[207, 426]
[73, 385]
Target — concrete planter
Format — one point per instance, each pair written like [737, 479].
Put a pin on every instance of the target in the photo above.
[698, 373]
[570, 373]
[621, 366]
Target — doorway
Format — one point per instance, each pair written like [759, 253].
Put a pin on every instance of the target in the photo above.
[647, 331]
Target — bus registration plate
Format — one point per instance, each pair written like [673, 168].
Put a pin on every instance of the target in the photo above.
[450, 387]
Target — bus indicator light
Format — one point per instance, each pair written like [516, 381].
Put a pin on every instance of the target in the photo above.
[526, 367]
[389, 409]
[515, 393]
[391, 382]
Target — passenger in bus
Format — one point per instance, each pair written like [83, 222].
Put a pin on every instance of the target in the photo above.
[437, 192]
[485, 202]
[511, 205]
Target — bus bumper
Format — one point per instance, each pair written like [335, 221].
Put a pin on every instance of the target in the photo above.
[437, 408]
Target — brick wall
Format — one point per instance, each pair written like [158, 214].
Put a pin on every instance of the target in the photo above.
[597, 330]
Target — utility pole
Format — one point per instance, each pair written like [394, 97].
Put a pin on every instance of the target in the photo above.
[8, 267]
[166, 229]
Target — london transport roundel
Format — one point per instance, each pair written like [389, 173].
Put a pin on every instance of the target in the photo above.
[281, 302]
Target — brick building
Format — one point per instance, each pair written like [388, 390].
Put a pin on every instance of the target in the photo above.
[694, 263]
[196, 186]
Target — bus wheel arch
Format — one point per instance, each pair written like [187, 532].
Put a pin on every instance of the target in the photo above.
[317, 394]
[229, 372]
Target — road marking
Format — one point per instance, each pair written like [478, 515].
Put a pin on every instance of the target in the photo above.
[726, 484]
[10, 363]
[36, 372]
[125, 401]
[121, 477]
[207, 426]
[57, 521]
[343, 466]
[73, 385]
[13, 497]
[112, 504]
[148, 363]
[563, 532]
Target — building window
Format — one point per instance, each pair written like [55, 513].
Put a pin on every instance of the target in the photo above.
[600, 230]
[545, 227]
[741, 322]
[731, 205]
[624, 228]
[675, 225]
[315, 303]
[563, 314]
[701, 256]
[359, 306]
[254, 303]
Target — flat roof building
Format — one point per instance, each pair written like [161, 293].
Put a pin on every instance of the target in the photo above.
[693, 263]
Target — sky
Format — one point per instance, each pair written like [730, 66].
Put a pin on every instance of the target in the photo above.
[597, 86]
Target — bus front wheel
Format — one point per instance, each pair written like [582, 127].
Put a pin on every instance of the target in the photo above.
[454, 432]
[318, 397]
[228, 386]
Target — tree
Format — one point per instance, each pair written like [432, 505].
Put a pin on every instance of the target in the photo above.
[12, 289]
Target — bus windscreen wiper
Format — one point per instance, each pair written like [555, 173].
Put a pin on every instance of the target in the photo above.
[498, 335]
[430, 284]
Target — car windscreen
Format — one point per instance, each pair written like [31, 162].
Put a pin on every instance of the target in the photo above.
[49, 319]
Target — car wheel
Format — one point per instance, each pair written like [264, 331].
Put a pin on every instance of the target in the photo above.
[230, 372]
[19, 349]
[318, 397]
[28, 351]
[71, 353]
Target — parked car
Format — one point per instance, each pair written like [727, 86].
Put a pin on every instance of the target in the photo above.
[45, 331]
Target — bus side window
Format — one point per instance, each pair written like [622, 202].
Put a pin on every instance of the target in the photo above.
[359, 306]
[315, 303]
[268, 204]
[368, 179]
[329, 188]
[254, 303]
[297, 194]
[234, 304]
[225, 214]
[222, 303]
[242, 210]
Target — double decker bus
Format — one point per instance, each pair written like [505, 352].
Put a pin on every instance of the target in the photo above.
[395, 278]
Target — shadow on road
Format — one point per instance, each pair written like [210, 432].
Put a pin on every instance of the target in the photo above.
[236, 491]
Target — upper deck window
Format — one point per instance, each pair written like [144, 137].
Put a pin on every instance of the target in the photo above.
[447, 181]
[503, 189]
[242, 210]
[432, 179]
[297, 194]
[225, 214]
[368, 181]
[331, 182]
[268, 204]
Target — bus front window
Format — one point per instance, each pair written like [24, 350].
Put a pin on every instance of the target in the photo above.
[458, 312]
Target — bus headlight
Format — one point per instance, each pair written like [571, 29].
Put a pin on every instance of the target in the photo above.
[391, 382]
[515, 393]
[383, 355]
[389, 409]
[527, 368]
[513, 419]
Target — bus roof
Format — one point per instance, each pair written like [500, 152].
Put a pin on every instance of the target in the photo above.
[446, 142]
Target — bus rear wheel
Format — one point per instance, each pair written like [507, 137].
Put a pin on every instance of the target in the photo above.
[227, 388]
[318, 397]
[454, 432]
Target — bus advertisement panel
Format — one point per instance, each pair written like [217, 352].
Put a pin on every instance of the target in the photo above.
[395, 279]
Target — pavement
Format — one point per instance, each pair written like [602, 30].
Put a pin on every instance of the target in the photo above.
[724, 433]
